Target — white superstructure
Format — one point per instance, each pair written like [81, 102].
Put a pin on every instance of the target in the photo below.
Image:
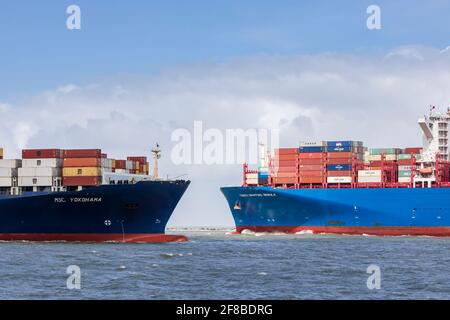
[435, 135]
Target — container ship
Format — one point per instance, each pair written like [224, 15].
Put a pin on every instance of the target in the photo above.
[82, 195]
[343, 187]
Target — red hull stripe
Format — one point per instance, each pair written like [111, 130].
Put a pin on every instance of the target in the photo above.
[93, 237]
[376, 231]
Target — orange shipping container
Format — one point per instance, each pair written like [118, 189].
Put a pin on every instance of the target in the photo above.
[290, 157]
[286, 151]
[284, 163]
[284, 169]
[340, 155]
[309, 179]
[311, 173]
[306, 167]
[284, 180]
[339, 161]
[339, 173]
[311, 161]
[310, 155]
[284, 175]
[82, 162]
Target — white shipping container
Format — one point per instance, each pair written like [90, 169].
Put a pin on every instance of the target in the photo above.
[251, 176]
[251, 181]
[35, 181]
[10, 163]
[8, 172]
[50, 162]
[313, 144]
[339, 179]
[369, 173]
[121, 171]
[404, 179]
[5, 182]
[374, 157]
[39, 172]
[369, 179]
[106, 163]
[404, 168]
[129, 165]
[390, 157]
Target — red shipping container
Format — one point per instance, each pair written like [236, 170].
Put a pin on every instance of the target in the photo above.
[413, 150]
[284, 163]
[284, 169]
[339, 161]
[284, 175]
[309, 179]
[340, 155]
[289, 157]
[311, 161]
[284, 180]
[81, 181]
[339, 173]
[306, 167]
[140, 159]
[311, 155]
[121, 164]
[104, 155]
[41, 153]
[311, 173]
[83, 153]
[286, 151]
[405, 162]
[378, 163]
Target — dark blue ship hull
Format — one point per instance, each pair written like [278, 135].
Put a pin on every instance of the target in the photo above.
[372, 211]
[130, 213]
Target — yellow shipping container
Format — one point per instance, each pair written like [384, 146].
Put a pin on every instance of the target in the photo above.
[1, 152]
[113, 163]
[82, 172]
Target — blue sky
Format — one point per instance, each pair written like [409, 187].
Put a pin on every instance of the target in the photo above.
[142, 37]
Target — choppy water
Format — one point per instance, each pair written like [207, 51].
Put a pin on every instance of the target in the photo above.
[217, 265]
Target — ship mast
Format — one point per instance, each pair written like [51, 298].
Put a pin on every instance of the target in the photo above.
[156, 151]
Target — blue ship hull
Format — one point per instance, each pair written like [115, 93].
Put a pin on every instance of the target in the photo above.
[130, 213]
[373, 211]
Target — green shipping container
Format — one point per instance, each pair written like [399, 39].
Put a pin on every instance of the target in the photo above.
[404, 157]
[404, 173]
[379, 151]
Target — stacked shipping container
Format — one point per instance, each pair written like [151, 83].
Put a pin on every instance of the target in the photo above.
[311, 159]
[285, 166]
[41, 168]
[340, 155]
[8, 171]
[83, 167]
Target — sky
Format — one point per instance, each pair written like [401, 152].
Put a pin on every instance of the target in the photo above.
[137, 71]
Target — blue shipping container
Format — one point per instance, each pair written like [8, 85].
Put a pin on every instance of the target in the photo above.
[339, 143]
[340, 149]
[310, 149]
[339, 167]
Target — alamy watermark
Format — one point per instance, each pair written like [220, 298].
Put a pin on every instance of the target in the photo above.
[215, 146]
[374, 280]
[374, 20]
[74, 279]
[73, 21]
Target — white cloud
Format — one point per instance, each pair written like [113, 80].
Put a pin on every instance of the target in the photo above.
[325, 96]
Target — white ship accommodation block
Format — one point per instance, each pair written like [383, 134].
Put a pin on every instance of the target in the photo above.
[435, 135]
